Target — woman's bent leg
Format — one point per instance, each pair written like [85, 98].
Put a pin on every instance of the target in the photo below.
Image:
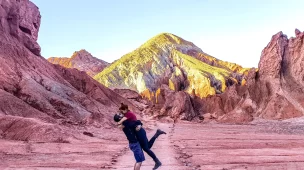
[143, 140]
[157, 133]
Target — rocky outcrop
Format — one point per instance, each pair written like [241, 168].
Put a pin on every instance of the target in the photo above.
[83, 61]
[274, 92]
[37, 94]
[176, 105]
[21, 19]
[135, 98]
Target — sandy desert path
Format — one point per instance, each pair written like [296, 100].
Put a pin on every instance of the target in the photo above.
[163, 149]
[259, 145]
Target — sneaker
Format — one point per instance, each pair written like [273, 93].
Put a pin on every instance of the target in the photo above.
[160, 132]
[157, 165]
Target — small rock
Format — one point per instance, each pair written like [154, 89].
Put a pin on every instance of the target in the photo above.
[88, 134]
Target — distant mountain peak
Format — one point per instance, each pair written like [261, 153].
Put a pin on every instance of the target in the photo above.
[82, 55]
[165, 39]
[81, 60]
[170, 36]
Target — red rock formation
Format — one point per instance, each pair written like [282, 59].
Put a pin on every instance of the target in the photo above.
[136, 99]
[21, 19]
[37, 93]
[176, 105]
[297, 32]
[83, 61]
[274, 92]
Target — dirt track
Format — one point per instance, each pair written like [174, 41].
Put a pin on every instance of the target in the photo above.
[263, 145]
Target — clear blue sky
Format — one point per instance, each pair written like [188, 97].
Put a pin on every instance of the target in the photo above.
[231, 30]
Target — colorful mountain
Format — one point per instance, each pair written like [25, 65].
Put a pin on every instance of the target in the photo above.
[169, 59]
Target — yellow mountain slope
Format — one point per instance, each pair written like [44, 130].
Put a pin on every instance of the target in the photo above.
[169, 59]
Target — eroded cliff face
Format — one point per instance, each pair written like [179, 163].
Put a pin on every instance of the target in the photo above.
[81, 60]
[168, 59]
[274, 92]
[37, 96]
[21, 19]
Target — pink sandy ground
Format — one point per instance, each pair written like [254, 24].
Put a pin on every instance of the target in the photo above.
[261, 145]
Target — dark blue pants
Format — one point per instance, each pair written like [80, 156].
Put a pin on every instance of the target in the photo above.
[145, 144]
